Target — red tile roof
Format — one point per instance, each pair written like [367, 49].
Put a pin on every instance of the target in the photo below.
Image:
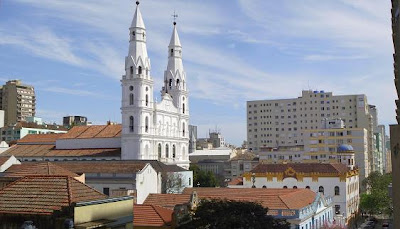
[97, 131]
[102, 166]
[151, 216]
[4, 159]
[167, 200]
[271, 198]
[42, 150]
[331, 168]
[237, 181]
[42, 195]
[40, 138]
[37, 168]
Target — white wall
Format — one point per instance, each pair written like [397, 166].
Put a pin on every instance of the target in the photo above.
[91, 143]
[147, 181]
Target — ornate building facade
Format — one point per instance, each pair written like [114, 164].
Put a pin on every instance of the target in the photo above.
[151, 130]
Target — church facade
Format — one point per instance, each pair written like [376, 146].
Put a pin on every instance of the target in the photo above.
[154, 130]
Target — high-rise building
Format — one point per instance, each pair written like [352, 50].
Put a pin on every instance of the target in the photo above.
[69, 121]
[151, 130]
[281, 123]
[18, 101]
[395, 129]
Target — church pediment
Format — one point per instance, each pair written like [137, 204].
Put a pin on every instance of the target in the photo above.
[166, 104]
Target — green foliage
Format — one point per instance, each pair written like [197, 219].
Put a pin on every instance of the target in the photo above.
[205, 179]
[377, 199]
[224, 214]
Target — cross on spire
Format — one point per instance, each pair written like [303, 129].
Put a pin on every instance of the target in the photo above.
[175, 16]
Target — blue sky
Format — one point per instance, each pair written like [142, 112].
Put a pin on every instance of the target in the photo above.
[73, 53]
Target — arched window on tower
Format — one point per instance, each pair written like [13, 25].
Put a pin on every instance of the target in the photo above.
[146, 125]
[140, 70]
[177, 82]
[321, 189]
[173, 151]
[337, 191]
[183, 108]
[159, 151]
[172, 52]
[166, 151]
[131, 124]
[170, 83]
[131, 97]
[147, 100]
[183, 129]
[131, 70]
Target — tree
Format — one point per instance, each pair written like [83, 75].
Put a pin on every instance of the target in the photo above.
[171, 183]
[224, 214]
[202, 178]
[377, 199]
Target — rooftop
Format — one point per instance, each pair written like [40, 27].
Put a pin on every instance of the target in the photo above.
[152, 216]
[40, 139]
[331, 168]
[37, 168]
[167, 200]
[96, 131]
[271, 198]
[43, 195]
[221, 151]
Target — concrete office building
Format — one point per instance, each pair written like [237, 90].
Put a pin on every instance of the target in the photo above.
[18, 101]
[69, 121]
[282, 122]
[395, 129]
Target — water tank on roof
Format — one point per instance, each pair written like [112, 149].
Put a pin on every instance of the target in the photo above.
[315, 92]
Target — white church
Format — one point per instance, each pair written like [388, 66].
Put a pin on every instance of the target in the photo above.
[151, 130]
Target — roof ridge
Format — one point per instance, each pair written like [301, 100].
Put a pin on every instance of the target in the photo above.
[104, 127]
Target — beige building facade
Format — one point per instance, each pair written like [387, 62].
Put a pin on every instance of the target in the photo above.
[18, 101]
[282, 122]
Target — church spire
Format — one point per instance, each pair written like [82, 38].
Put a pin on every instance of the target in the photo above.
[137, 21]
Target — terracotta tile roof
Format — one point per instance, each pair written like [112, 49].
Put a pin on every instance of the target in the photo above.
[40, 138]
[42, 195]
[167, 200]
[271, 198]
[42, 150]
[4, 159]
[333, 168]
[37, 168]
[28, 150]
[127, 167]
[96, 131]
[237, 181]
[152, 216]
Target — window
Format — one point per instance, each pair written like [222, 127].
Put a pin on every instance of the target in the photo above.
[131, 123]
[321, 189]
[131, 71]
[159, 150]
[140, 70]
[337, 209]
[166, 151]
[146, 125]
[183, 129]
[190, 181]
[131, 97]
[264, 186]
[173, 151]
[131, 88]
[307, 187]
[183, 108]
[147, 100]
[177, 82]
[170, 83]
[172, 52]
[294, 187]
[285, 186]
[106, 191]
[337, 191]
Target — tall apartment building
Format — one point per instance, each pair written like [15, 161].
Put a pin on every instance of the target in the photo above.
[282, 122]
[18, 101]
[395, 129]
